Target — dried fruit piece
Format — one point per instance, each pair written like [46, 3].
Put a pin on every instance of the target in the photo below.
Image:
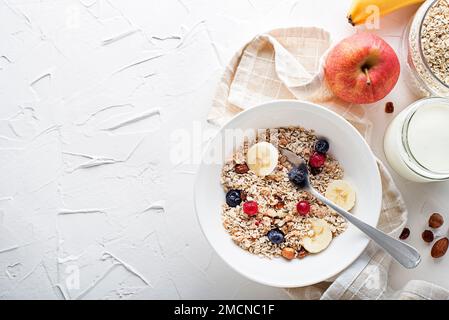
[389, 107]
[427, 236]
[439, 248]
[436, 220]
[241, 168]
[316, 171]
[279, 205]
[288, 253]
[302, 253]
[405, 234]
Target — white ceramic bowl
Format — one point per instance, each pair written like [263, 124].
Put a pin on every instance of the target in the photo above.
[350, 149]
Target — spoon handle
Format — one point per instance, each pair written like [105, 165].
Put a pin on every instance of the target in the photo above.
[406, 255]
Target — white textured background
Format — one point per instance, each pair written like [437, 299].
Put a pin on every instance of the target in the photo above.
[90, 92]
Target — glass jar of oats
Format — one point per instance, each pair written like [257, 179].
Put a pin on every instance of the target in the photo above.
[425, 48]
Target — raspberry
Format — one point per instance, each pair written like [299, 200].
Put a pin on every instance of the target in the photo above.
[303, 208]
[250, 208]
[317, 160]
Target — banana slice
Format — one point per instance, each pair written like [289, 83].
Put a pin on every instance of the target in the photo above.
[321, 238]
[262, 158]
[341, 193]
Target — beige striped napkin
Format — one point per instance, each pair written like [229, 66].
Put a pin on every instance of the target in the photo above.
[286, 64]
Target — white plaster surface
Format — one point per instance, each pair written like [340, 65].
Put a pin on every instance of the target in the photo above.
[90, 92]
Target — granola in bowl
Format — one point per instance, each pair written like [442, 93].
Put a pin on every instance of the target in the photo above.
[268, 215]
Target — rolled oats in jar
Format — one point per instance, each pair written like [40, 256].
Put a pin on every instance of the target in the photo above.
[426, 49]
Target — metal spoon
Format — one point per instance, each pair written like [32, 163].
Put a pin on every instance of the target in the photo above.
[406, 255]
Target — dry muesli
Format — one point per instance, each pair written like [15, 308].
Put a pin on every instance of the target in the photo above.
[276, 216]
[435, 40]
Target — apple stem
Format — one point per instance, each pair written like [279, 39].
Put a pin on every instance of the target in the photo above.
[368, 79]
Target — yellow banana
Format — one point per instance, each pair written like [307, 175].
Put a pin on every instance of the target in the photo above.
[361, 10]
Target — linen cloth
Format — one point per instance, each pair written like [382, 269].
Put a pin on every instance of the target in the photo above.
[287, 64]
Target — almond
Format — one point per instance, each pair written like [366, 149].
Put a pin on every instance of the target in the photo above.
[439, 248]
[436, 220]
[288, 253]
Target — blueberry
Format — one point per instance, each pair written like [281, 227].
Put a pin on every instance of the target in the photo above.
[322, 146]
[233, 198]
[276, 236]
[298, 175]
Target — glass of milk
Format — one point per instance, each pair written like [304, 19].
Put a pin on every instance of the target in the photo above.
[416, 143]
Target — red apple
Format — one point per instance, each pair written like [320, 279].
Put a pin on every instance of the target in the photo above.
[362, 69]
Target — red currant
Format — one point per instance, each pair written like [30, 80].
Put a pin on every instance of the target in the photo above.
[303, 208]
[317, 160]
[250, 208]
